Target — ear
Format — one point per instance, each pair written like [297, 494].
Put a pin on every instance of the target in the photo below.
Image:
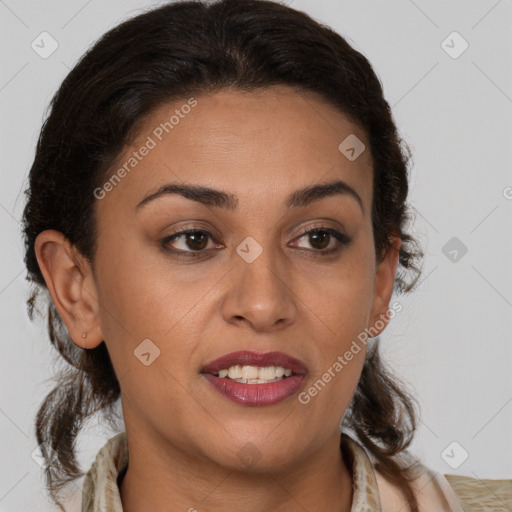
[70, 282]
[384, 284]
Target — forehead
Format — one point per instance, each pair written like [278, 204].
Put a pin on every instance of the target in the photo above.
[253, 144]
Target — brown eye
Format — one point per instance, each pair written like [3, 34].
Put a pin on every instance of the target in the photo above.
[187, 243]
[319, 238]
[196, 240]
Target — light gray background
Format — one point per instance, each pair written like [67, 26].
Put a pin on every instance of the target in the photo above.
[452, 341]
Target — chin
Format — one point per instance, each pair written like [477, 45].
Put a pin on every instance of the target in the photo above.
[259, 453]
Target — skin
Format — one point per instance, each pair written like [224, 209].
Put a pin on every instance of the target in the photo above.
[183, 436]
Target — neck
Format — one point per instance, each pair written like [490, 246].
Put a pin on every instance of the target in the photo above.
[159, 479]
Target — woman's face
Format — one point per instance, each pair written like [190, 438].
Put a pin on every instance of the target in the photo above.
[251, 279]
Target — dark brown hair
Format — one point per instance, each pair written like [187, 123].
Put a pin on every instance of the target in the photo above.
[176, 51]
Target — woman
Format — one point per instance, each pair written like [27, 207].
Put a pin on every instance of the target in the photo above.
[216, 214]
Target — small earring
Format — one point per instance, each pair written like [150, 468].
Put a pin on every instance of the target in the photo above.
[84, 335]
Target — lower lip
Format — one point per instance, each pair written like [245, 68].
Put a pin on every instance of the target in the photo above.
[256, 394]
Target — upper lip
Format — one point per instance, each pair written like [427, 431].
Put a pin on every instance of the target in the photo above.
[247, 358]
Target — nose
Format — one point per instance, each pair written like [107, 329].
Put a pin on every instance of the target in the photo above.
[260, 294]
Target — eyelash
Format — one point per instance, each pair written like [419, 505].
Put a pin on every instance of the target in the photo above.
[340, 237]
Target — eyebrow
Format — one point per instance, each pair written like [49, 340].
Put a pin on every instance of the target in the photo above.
[220, 199]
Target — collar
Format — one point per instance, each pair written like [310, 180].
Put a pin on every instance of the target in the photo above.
[371, 492]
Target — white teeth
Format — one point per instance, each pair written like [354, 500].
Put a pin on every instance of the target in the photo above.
[235, 372]
[250, 372]
[269, 372]
[257, 381]
[255, 374]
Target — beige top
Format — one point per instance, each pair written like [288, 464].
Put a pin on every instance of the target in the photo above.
[371, 492]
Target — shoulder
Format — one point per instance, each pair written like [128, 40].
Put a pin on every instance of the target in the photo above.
[486, 494]
[432, 489]
[448, 493]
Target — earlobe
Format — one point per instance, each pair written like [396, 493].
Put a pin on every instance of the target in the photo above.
[71, 285]
[384, 284]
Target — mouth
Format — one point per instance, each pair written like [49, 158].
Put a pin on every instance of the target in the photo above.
[255, 379]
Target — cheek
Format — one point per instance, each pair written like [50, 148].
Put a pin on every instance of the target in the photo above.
[343, 293]
[342, 307]
[340, 346]
[137, 289]
[140, 300]
[342, 315]
[146, 296]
